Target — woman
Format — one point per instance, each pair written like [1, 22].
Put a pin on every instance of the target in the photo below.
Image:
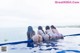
[41, 31]
[30, 34]
[55, 31]
[35, 38]
[48, 32]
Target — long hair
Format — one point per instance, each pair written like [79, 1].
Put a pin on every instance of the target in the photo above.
[30, 29]
[40, 28]
[47, 27]
[53, 27]
[30, 32]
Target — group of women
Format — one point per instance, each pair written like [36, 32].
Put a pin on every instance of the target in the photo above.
[50, 33]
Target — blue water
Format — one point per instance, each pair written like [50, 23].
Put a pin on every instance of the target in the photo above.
[70, 44]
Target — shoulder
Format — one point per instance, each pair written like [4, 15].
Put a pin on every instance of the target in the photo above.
[39, 30]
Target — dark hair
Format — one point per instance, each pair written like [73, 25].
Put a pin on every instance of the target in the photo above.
[40, 28]
[53, 27]
[47, 27]
[30, 32]
[30, 29]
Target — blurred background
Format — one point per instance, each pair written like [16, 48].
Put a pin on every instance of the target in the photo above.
[16, 15]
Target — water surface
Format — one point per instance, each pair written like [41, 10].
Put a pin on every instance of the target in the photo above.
[70, 44]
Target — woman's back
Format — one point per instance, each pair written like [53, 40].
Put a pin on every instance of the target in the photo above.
[54, 30]
[40, 31]
[30, 32]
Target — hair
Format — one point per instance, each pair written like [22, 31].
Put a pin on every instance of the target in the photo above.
[53, 27]
[30, 32]
[30, 29]
[47, 27]
[40, 28]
